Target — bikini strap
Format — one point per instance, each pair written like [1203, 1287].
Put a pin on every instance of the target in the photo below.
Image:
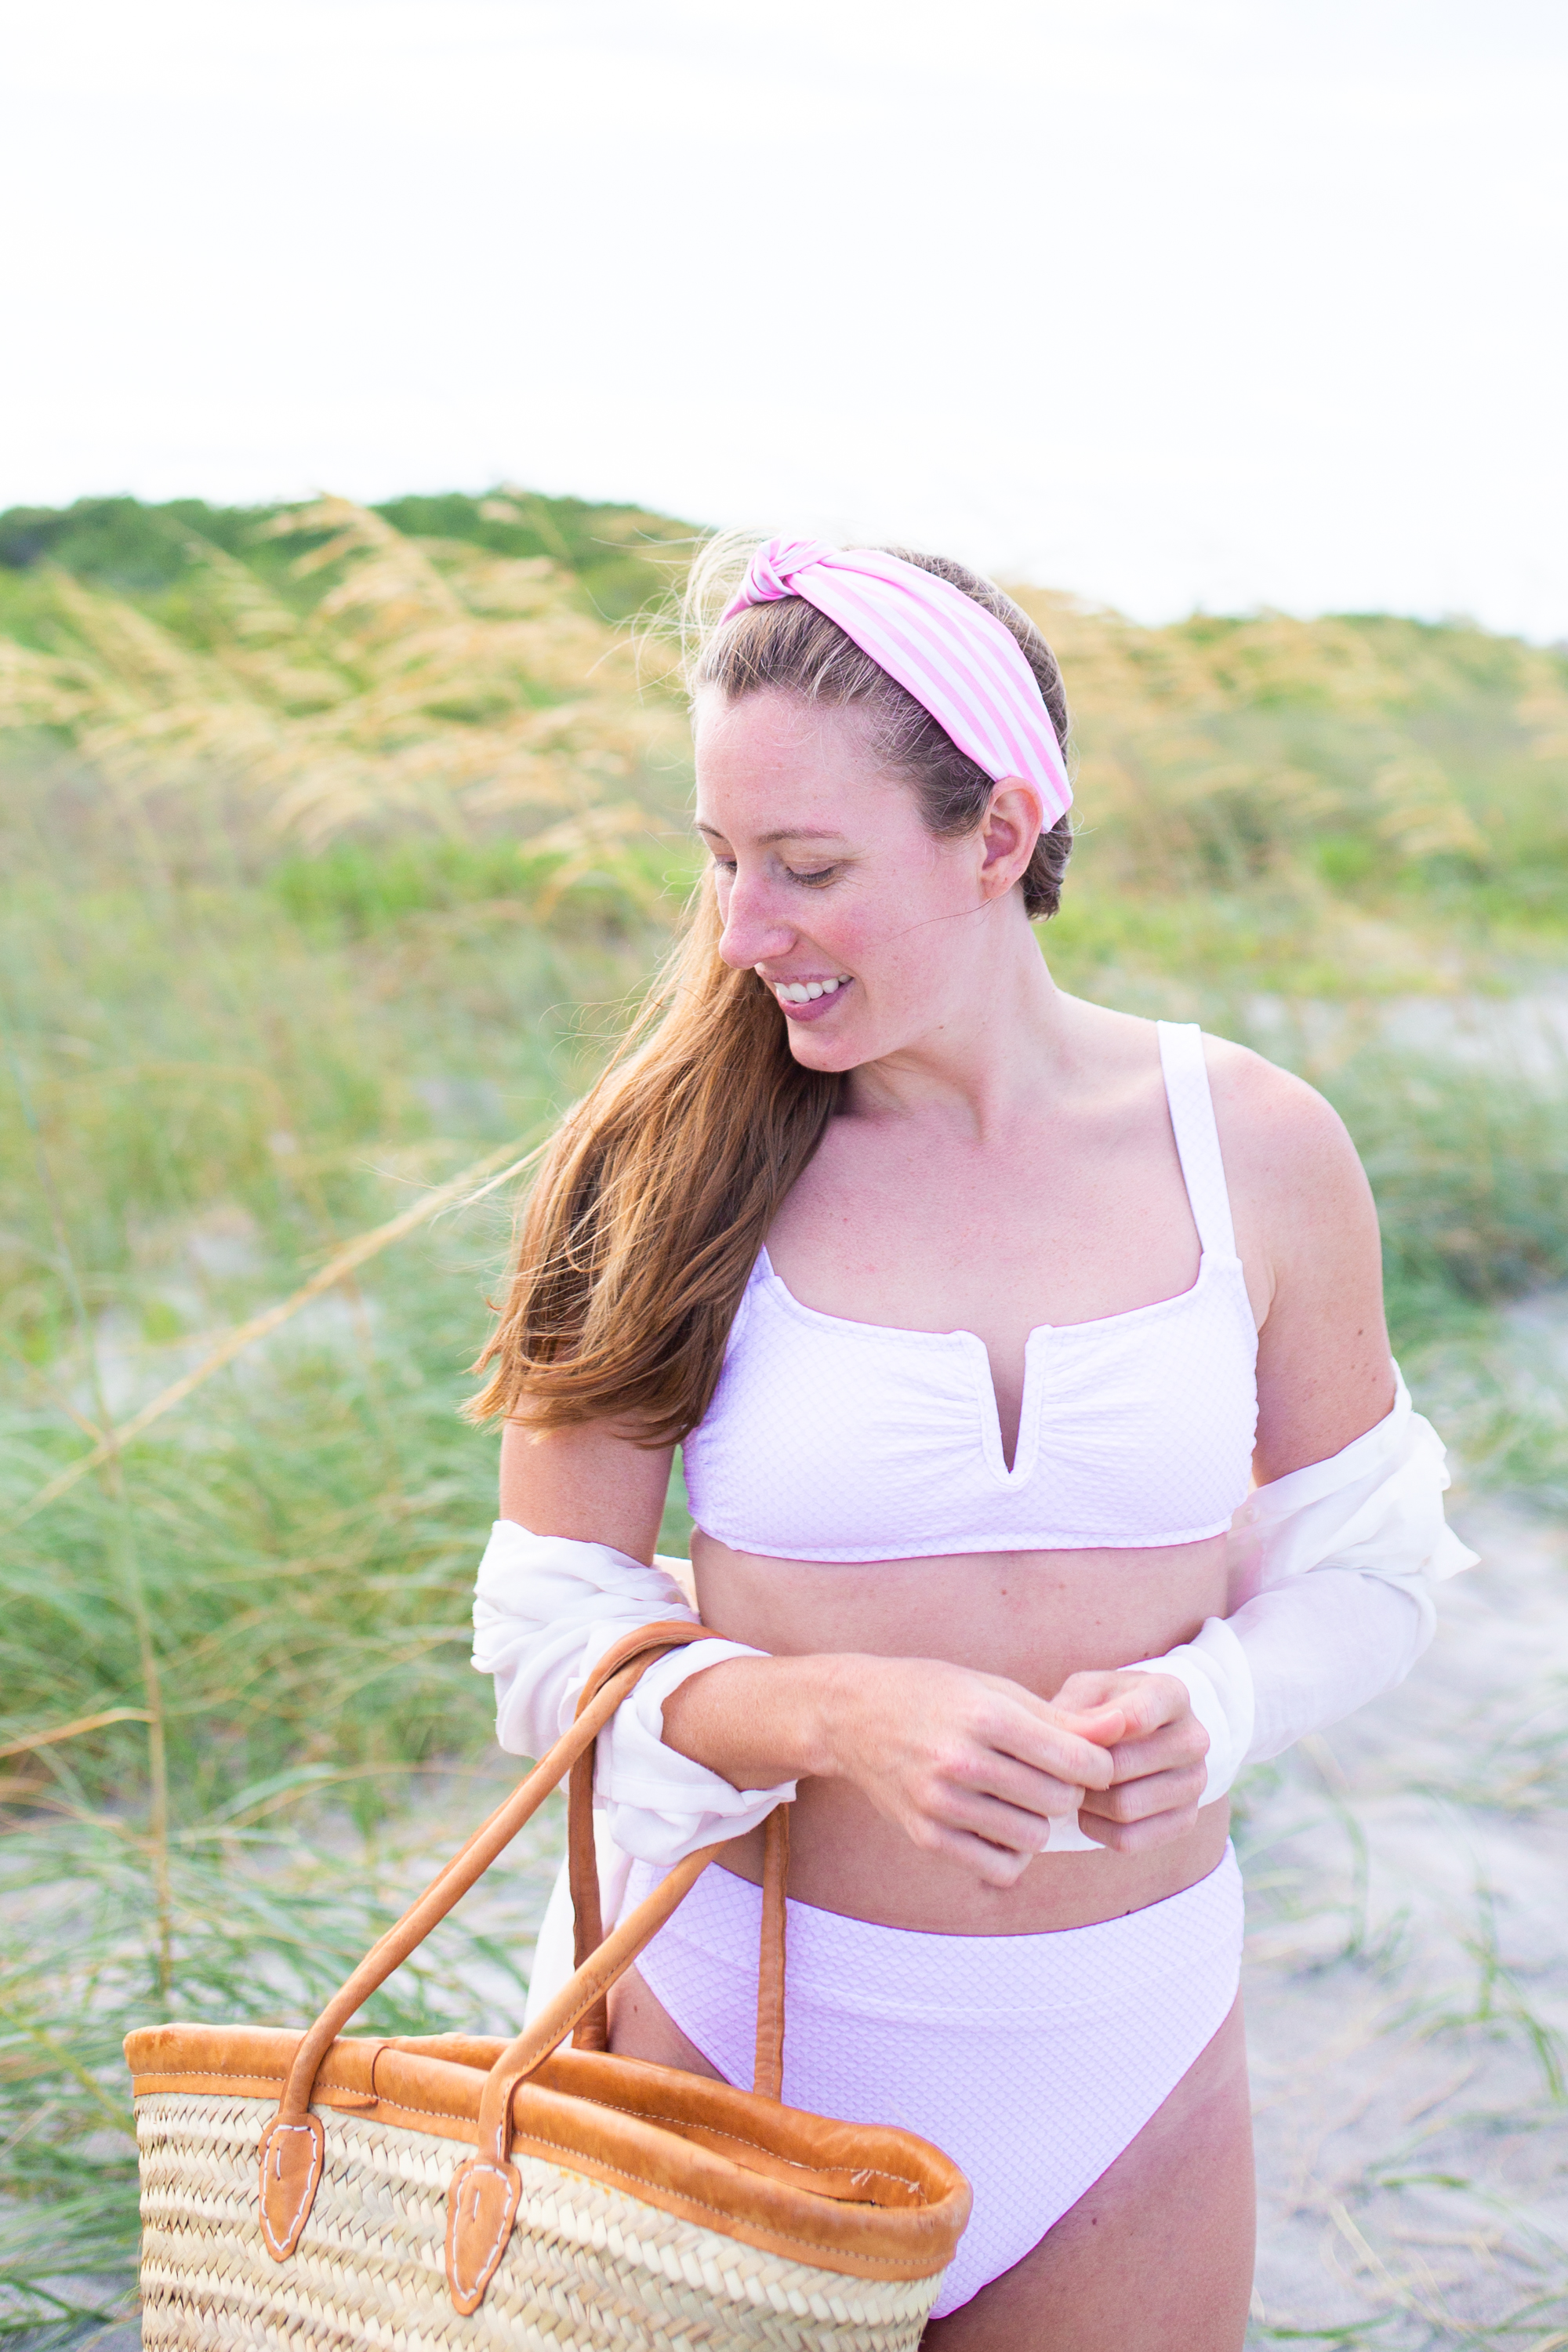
[1198, 1138]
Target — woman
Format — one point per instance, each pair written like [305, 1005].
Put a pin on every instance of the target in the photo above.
[977, 1309]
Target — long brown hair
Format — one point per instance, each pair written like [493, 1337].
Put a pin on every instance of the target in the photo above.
[636, 1240]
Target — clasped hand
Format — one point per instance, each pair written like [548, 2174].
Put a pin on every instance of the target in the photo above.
[976, 1767]
[1158, 1759]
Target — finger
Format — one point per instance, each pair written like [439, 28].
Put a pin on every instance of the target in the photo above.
[1138, 1837]
[1137, 1800]
[994, 1865]
[986, 1772]
[1007, 1751]
[1103, 1725]
[1086, 1690]
[1098, 1716]
[1146, 1699]
[1020, 1828]
[1151, 1701]
[1042, 1741]
[1170, 1749]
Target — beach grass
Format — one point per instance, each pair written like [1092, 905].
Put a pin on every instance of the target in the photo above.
[308, 906]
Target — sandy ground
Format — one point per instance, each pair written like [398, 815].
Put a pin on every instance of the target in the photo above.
[1406, 1985]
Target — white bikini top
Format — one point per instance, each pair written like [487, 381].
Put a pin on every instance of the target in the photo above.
[828, 1440]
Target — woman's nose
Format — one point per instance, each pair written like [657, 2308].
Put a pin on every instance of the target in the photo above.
[754, 928]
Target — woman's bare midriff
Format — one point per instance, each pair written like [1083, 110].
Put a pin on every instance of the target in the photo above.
[1035, 1618]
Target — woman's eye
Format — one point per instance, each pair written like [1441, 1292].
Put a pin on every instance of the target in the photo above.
[823, 874]
[725, 865]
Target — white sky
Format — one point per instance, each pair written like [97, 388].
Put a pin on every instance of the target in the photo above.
[1168, 301]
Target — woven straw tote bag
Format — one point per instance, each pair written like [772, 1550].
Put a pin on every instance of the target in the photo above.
[427, 2194]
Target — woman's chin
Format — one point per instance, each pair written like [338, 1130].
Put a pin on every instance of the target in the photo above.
[825, 1049]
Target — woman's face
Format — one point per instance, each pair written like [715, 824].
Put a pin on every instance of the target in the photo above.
[873, 934]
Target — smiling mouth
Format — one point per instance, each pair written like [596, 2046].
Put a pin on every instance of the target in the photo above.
[807, 992]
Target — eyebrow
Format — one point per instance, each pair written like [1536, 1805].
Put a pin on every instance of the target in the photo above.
[785, 833]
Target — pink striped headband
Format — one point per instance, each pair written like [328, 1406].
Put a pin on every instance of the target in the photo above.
[949, 652]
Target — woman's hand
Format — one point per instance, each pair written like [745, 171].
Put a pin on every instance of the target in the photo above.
[967, 1765]
[1158, 1765]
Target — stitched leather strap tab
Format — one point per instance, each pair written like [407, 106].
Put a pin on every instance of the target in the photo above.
[292, 2155]
[580, 2008]
[482, 2201]
[292, 2172]
[482, 2207]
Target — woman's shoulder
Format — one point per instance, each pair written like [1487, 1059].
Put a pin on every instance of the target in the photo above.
[1258, 1106]
[1256, 1098]
[1282, 1143]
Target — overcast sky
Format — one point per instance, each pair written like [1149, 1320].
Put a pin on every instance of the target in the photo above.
[1173, 302]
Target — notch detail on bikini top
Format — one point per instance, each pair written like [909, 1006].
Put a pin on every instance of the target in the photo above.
[1136, 1430]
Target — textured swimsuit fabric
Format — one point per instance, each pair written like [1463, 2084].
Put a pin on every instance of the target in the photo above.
[1136, 1430]
[1032, 2061]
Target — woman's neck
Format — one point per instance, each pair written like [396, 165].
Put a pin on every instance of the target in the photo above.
[986, 1057]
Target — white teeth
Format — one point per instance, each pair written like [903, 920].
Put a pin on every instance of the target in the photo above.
[806, 991]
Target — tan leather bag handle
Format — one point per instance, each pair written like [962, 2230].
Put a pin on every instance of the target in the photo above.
[591, 2030]
[293, 2147]
[581, 2007]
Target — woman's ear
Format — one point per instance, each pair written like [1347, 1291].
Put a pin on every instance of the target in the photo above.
[1008, 832]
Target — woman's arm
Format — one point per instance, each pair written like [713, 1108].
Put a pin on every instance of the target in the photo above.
[1307, 1231]
[968, 1765]
[1349, 1612]
[588, 1484]
[551, 1600]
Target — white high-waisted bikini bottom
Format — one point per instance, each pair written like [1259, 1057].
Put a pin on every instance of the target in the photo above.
[1033, 2061]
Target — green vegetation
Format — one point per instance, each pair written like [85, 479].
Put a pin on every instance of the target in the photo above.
[334, 843]
[154, 552]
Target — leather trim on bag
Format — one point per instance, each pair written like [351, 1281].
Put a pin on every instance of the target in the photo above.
[783, 2181]
[768, 2176]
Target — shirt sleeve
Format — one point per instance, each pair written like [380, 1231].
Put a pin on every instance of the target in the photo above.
[1332, 1574]
[546, 1608]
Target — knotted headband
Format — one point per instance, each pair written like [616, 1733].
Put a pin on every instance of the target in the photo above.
[949, 652]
